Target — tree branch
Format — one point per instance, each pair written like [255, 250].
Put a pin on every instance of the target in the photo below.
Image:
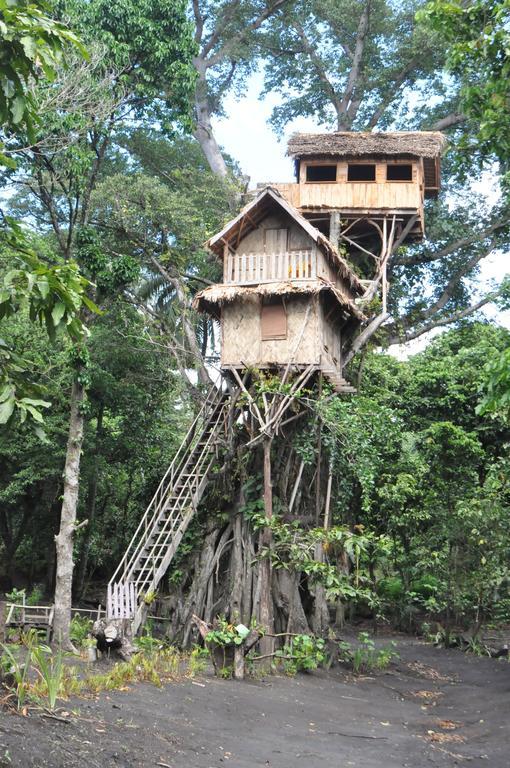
[449, 121]
[440, 321]
[319, 68]
[411, 261]
[452, 283]
[357, 61]
[224, 50]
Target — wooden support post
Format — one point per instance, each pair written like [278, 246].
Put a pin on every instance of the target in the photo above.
[265, 569]
[334, 228]
[239, 662]
[296, 485]
[327, 515]
[319, 461]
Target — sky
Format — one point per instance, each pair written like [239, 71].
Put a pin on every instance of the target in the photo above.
[247, 136]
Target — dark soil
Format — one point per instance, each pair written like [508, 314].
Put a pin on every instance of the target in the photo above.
[433, 707]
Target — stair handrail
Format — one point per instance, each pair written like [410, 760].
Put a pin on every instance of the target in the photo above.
[213, 398]
[185, 491]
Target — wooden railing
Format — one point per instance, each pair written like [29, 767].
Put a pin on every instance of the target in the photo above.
[265, 267]
[354, 195]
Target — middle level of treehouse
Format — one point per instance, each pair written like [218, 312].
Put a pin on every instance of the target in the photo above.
[287, 297]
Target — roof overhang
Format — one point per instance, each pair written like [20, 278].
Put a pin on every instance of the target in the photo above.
[213, 297]
[251, 216]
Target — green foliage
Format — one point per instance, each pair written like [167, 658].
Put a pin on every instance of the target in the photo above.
[198, 661]
[226, 633]
[80, 629]
[16, 665]
[304, 653]
[49, 666]
[365, 657]
[150, 43]
[33, 45]
[52, 295]
[478, 38]
[496, 397]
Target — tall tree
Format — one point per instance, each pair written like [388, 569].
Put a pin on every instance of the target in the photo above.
[226, 34]
[351, 65]
[129, 73]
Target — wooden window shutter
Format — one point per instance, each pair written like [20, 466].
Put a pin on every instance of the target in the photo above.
[273, 321]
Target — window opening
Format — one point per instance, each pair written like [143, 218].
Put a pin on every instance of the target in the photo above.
[321, 172]
[399, 172]
[361, 172]
[273, 320]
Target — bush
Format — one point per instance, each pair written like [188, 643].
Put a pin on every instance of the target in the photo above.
[426, 586]
[391, 588]
[366, 657]
[80, 629]
[304, 653]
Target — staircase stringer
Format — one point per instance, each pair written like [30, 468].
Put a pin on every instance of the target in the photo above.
[172, 507]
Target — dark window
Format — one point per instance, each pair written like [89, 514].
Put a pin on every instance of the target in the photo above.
[399, 172]
[273, 320]
[321, 172]
[360, 172]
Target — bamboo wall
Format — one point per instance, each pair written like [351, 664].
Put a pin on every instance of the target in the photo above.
[241, 336]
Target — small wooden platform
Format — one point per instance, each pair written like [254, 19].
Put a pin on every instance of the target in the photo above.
[25, 617]
[40, 617]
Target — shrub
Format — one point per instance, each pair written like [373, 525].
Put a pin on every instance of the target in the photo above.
[366, 657]
[80, 629]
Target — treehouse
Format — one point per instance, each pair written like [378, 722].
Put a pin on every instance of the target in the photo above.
[293, 258]
[287, 297]
[304, 265]
[344, 181]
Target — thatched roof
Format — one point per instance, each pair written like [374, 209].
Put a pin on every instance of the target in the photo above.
[428, 144]
[211, 298]
[256, 210]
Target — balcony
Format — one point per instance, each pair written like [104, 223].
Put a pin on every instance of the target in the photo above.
[354, 196]
[246, 268]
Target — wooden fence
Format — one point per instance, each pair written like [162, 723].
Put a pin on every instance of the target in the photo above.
[121, 600]
[264, 267]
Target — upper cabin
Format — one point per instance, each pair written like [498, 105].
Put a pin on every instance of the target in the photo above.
[365, 174]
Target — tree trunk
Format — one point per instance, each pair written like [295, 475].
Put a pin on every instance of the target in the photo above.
[204, 132]
[64, 539]
[91, 510]
[265, 617]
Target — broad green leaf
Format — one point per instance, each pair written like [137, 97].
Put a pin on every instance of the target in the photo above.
[58, 312]
[6, 410]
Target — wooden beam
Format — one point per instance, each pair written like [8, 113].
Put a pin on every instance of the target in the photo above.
[408, 227]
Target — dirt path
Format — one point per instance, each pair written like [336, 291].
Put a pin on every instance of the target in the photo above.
[434, 707]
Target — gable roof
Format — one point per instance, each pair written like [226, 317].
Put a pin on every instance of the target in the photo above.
[256, 210]
[428, 144]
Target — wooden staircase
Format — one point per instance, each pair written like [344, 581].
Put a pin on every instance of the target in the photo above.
[338, 382]
[168, 515]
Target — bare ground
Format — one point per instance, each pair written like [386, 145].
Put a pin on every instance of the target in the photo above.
[433, 707]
